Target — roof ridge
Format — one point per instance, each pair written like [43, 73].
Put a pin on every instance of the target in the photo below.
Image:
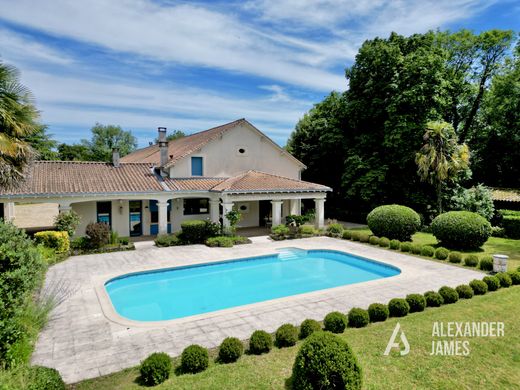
[88, 162]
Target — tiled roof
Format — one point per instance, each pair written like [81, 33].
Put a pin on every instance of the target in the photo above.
[193, 184]
[255, 181]
[506, 195]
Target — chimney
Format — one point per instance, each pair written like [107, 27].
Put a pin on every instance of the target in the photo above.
[115, 157]
[163, 146]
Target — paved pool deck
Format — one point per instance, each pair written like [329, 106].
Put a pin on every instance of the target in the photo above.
[83, 340]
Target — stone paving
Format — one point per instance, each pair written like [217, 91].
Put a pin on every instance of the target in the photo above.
[81, 342]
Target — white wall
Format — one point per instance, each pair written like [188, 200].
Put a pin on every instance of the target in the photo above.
[250, 216]
[178, 216]
[222, 159]
[88, 213]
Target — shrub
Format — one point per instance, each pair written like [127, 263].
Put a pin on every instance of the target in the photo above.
[449, 294]
[67, 222]
[417, 302]
[335, 229]
[325, 361]
[220, 241]
[479, 287]
[427, 251]
[364, 237]
[335, 322]
[155, 369]
[477, 199]
[286, 336]
[59, 241]
[373, 240]
[471, 261]
[515, 277]
[239, 240]
[384, 242]
[163, 240]
[280, 230]
[296, 220]
[193, 231]
[406, 246]
[355, 236]
[492, 282]
[504, 279]
[433, 299]
[98, 234]
[455, 257]
[358, 318]
[260, 342]
[378, 312]
[398, 307]
[347, 235]
[395, 244]
[511, 225]
[486, 263]
[461, 229]
[45, 378]
[124, 240]
[308, 230]
[416, 249]
[308, 327]
[441, 253]
[230, 350]
[464, 291]
[394, 221]
[194, 359]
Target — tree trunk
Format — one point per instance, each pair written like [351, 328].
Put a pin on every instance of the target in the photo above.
[439, 197]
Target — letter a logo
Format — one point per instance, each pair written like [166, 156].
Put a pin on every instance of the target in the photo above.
[393, 344]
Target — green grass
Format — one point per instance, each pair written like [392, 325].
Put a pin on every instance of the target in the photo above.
[493, 245]
[492, 363]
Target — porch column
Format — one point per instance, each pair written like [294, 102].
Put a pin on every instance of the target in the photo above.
[162, 207]
[295, 208]
[277, 212]
[214, 210]
[9, 211]
[64, 208]
[319, 204]
[226, 208]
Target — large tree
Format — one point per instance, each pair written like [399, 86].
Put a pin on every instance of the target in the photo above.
[43, 144]
[107, 137]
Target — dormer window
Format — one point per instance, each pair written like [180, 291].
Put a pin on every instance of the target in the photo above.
[196, 166]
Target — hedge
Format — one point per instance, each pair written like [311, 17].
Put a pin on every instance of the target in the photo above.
[44, 378]
[57, 240]
[394, 221]
[433, 299]
[461, 229]
[486, 263]
[511, 225]
[479, 287]
[449, 294]
[194, 231]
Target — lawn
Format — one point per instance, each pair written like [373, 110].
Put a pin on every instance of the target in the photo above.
[492, 362]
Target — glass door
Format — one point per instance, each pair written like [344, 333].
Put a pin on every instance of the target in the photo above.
[136, 218]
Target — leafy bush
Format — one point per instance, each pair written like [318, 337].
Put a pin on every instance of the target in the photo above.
[461, 229]
[164, 240]
[230, 350]
[384, 242]
[220, 241]
[416, 249]
[364, 237]
[497, 231]
[260, 342]
[67, 222]
[59, 241]
[433, 299]
[515, 277]
[394, 221]
[124, 240]
[464, 291]
[492, 282]
[194, 359]
[471, 261]
[45, 378]
[398, 307]
[378, 312]
[486, 263]
[477, 199]
[155, 369]
[427, 251]
[358, 318]
[335, 322]
[307, 230]
[280, 231]
[98, 234]
[449, 294]
[441, 253]
[395, 244]
[455, 257]
[355, 236]
[373, 240]
[417, 302]
[308, 327]
[194, 231]
[286, 336]
[296, 220]
[335, 229]
[325, 361]
[479, 287]
[511, 225]
[406, 246]
[504, 279]
[238, 240]
[347, 235]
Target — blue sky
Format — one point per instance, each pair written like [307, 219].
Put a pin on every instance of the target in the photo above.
[192, 65]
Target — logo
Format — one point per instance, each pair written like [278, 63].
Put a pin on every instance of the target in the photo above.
[392, 344]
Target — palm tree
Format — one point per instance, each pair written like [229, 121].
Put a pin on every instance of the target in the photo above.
[18, 117]
[441, 158]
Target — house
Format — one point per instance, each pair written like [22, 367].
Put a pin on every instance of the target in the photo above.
[201, 176]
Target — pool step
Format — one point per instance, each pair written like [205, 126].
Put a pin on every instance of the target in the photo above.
[291, 253]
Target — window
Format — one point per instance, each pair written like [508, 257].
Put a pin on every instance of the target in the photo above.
[1, 211]
[196, 206]
[154, 211]
[196, 166]
[104, 212]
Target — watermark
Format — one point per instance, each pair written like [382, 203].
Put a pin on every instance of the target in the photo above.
[393, 344]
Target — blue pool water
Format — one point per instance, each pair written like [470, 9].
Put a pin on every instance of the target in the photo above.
[174, 293]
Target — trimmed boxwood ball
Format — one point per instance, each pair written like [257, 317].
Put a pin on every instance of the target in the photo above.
[464, 291]
[325, 361]
[286, 336]
[406, 246]
[230, 350]
[427, 251]
[504, 278]
[335, 322]
[433, 299]
[308, 327]
[364, 237]
[479, 287]
[449, 294]
[441, 253]
[492, 282]
[155, 369]
[486, 263]
[471, 261]
[416, 249]
[455, 257]
[260, 342]
[44, 378]
[461, 229]
[378, 312]
[194, 359]
[358, 318]
[355, 236]
[384, 242]
[515, 277]
[373, 240]
[398, 307]
[394, 221]
[395, 244]
[347, 234]
[417, 302]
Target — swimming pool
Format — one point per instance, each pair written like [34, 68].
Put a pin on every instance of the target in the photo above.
[173, 293]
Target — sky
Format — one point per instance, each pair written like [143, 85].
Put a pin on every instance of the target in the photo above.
[193, 65]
